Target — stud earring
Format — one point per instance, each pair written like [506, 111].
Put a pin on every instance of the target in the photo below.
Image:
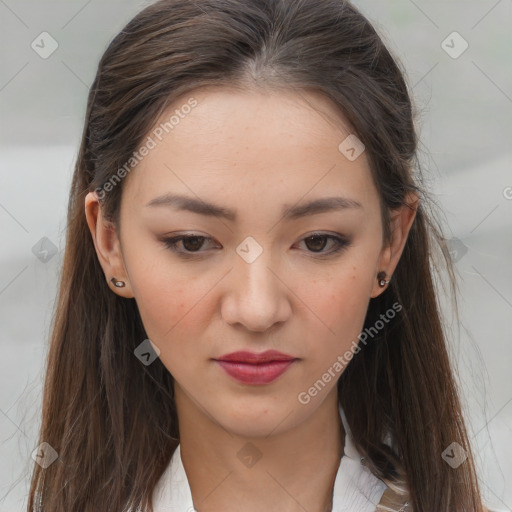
[118, 284]
[381, 276]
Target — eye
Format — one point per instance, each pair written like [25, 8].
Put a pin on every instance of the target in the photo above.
[317, 242]
[191, 244]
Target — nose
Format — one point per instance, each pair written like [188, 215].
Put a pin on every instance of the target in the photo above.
[256, 296]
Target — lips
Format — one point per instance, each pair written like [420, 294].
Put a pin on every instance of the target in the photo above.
[254, 368]
[252, 357]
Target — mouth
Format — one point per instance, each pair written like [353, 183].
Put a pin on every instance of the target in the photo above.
[253, 368]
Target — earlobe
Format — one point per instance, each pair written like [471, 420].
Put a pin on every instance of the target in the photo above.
[108, 247]
[401, 222]
[382, 280]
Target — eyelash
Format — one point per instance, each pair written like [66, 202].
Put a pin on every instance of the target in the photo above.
[341, 244]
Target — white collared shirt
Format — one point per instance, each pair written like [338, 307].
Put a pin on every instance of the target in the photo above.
[356, 488]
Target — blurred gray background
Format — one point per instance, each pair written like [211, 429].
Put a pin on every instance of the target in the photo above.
[457, 54]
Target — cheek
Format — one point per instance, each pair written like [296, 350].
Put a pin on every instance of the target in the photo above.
[174, 317]
[173, 310]
[171, 302]
[339, 307]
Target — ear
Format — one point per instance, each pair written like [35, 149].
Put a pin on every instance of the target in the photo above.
[401, 221]
[108, 246]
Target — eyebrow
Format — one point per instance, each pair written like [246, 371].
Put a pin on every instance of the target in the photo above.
[191, 204]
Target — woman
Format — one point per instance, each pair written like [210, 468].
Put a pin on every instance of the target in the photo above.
[247, 318]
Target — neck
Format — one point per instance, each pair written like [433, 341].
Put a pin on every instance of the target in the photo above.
[290, 470]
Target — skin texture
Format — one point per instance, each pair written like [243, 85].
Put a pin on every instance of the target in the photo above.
[253, 152]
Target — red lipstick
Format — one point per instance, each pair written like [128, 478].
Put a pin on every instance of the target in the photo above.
[253, 368]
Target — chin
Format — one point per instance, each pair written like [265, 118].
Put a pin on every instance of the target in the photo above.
[255, 418]
[251, 427]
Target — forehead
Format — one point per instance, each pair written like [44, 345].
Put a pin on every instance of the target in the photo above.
[251, 146]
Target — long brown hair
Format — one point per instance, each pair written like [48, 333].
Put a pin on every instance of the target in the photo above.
[113, 421]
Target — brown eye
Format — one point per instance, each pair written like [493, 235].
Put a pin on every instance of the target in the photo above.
[193, 243]
[316, 243]
[190, 243]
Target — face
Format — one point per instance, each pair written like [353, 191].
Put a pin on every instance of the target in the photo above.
[263, 271]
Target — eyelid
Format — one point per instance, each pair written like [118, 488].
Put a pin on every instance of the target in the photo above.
[170, 243]
[341, 242]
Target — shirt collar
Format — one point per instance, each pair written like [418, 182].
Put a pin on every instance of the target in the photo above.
[356, 488]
